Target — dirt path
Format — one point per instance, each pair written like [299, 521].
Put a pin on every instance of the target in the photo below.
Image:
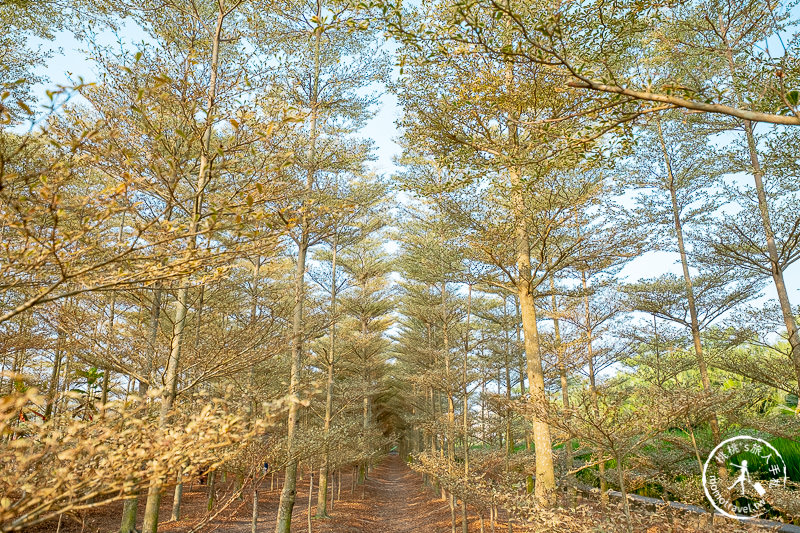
[394, 501]
[399, 502]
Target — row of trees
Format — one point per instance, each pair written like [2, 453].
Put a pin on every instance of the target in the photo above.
[531, 212]
[191, 236]
[194, 244]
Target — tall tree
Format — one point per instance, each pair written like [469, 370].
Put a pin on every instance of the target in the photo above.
[326, 67]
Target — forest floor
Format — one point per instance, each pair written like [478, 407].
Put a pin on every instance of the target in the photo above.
[392, 500]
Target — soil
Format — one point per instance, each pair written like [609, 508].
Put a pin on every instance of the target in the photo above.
[392, 500]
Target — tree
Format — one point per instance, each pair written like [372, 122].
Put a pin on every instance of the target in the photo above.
[323, 77]
[525, 162]
[351, 245]
[663, 163]
[622, 54]
[758, 234]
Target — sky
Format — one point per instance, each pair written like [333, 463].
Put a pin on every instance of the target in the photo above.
[69, 62]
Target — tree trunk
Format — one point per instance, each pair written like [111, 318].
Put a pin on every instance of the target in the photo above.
[776, 269]
[129, 515]
[322, 497]
[451, 500]
[690, 300]
[451, 411]
[171, 375]
[131, 505]
[593, 382]
[254, 519]
[545, 475]
[212, 490]
[177, 497]
[507, 369]
[289, 491]
[623, 490]
[562, 373]
[464, 522]
[775, 265]
[310, 492]
[52, 389]
[288, 494]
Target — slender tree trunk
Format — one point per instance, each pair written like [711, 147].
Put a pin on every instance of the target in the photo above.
[690, 300]
[251, 375]
[545, 475]
[451, 500]
[464, 521]
[775, 265]
[624, 491]
[52, 389]
[171, 375]
[483, 394]
[593, 380]
[171, 378]
[254, 519]
[322, 497]
[562, 373]
[518, 331]
[522, 363]
[131, 506]
[289, 492]
[177, 496]
[212, 490]
[776, 268]
[451, 415]
[451, 411]
[310, 492]
[365, 420]
[62, 400]
[507, 370]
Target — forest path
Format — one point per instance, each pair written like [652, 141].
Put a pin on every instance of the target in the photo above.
[398, 501]
[392, 500]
